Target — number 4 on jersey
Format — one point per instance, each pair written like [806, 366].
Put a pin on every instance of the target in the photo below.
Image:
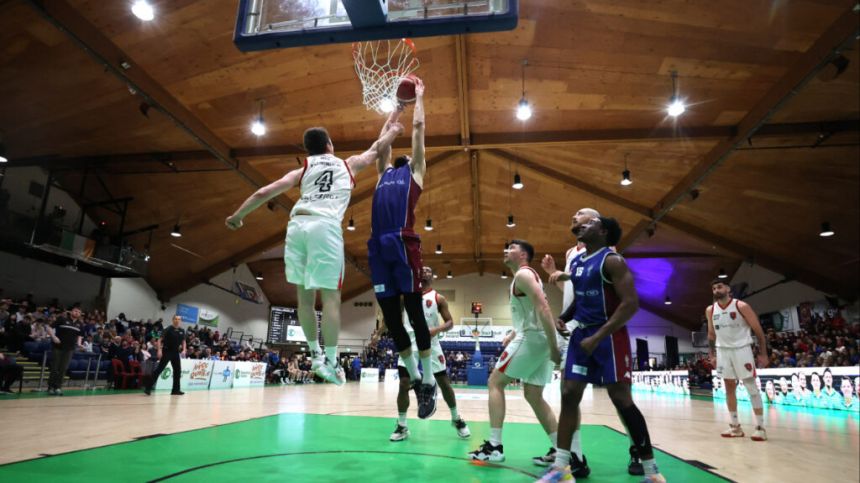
[324, 181]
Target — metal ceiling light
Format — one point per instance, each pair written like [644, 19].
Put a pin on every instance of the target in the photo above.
[438, 249]
[143, 10]
[504, 274]
[258, 127]
[676, 106]
[668, 301]
[450, 275]
[723, 274]
[428, 225]
[524, 111]
[518, 182]
[3, 153]
[511, 222]
[259, 276]
[176, 232]
[826, 230]
[351, 225]
[625, 175]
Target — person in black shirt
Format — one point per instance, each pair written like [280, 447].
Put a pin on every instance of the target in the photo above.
[172, 344]
[66, 338]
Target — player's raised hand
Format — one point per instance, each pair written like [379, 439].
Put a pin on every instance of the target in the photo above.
[419, 87]
[548, 264]
[397, 127]
[233, 222]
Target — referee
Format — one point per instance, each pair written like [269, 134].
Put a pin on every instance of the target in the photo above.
[171, 346]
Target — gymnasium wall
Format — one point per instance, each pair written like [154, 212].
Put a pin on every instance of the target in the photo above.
[777, 297]
[17, 182]
[21, 276]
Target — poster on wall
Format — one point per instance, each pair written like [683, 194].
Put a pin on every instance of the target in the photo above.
[208, 318]
[662, 382]
[188, 313]
[248, 292]
[222, 375]
[810, 387]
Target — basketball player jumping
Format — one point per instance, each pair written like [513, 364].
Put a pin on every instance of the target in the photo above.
[530, 355]
[599, 349]
[394, 252]
[434, 304]
[729, 324]
[313, 253]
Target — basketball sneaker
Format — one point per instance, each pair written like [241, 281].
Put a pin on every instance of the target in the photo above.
[426, 400]
[634, 467]
[556, 474]
[329, 373]
[317, 360]
[462, 428]
[759, 434]
[734, 431]
[545, 460]
[658, 478]
[488, 452]
[400, 433]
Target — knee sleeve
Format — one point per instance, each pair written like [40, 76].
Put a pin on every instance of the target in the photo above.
[755, 395]
[412, 302]
[393, 320]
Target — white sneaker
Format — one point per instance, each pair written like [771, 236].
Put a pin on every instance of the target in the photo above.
[759, 434]
[400, 433]
[734, 431]
[317, 360]
[462, 428]
[329, 373]
[341, 375]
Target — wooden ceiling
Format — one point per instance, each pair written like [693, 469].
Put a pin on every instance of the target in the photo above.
[767, 150]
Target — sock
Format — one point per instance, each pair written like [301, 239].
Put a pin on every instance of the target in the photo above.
[562, 458]
[553, 438]
[427, 376]
[734, 416]
[401, 419]
[495, 436]
[576, 444]
[650, 466]
[411, 367]
[454, 414]
[314, 347]
[331, 354]
[759, 420]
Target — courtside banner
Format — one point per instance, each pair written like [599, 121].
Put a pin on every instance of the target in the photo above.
[662, 382]
[370, 375]
[222, 375]
[258, 374]
[165, 380]
[201, 372]
[242, 374]
[811, 387]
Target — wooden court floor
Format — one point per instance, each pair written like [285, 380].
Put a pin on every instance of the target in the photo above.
[322, 432]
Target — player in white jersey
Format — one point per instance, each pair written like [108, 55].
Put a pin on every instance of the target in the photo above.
[434, 305]
[729, 324]
[529, 354]
[313, 253]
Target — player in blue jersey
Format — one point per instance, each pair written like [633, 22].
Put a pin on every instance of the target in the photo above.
[599, 350]
[394, 252]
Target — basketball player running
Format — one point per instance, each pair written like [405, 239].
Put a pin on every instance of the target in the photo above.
[599, 349]
[530, 355]
[729, 324]
[394, 252]
[313, 253]
[579, 464]
[433, 306]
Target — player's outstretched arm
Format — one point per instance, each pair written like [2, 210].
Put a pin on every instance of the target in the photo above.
[385, 152]
[526, 283]
[262, 195]
[358, 162]
[418, 164]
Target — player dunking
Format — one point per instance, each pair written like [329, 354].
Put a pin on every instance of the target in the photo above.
[530, 353]
[394, 252]
[729, 324]
[434, 305]
[313, 253]
[599, 350]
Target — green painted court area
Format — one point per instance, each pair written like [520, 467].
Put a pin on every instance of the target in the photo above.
[308, 447]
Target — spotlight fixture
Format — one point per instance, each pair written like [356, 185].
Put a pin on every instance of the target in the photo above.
[668, 301]
[438, 249]
[504, 274]
[676, 105]
[3, 158]
[258, 127]
[625, 178]
[176, 232]
[450, 275]
[518, 182]
[826, 230]
[259, 276]
[723, 274]
[351, 225]
[511, 222]
[524, 111]
[143, 10]
[146, 257]
[428, 226]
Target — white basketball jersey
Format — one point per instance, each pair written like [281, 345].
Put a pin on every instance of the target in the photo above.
[430, 305]
[326, 186]
[523, 314]
[732, 329]
[567, 293]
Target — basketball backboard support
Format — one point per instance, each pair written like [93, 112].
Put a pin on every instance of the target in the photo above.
[274, 24]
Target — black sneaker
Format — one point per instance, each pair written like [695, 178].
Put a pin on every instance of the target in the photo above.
[579, 469]
[546, 460]
[177, 393]
[462, 428]
[635, 466]
[427, 401]
[488, 452]
[147, 390]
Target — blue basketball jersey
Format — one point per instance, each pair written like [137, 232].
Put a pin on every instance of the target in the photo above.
[594, 296]
[394, 202]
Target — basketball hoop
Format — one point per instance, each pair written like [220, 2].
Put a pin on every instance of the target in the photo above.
[380, 66]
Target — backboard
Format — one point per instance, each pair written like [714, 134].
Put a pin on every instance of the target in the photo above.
[273, 24]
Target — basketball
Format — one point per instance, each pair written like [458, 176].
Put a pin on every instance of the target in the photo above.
[406, 89]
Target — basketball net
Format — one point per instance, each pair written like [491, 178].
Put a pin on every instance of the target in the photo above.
[380, 66]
